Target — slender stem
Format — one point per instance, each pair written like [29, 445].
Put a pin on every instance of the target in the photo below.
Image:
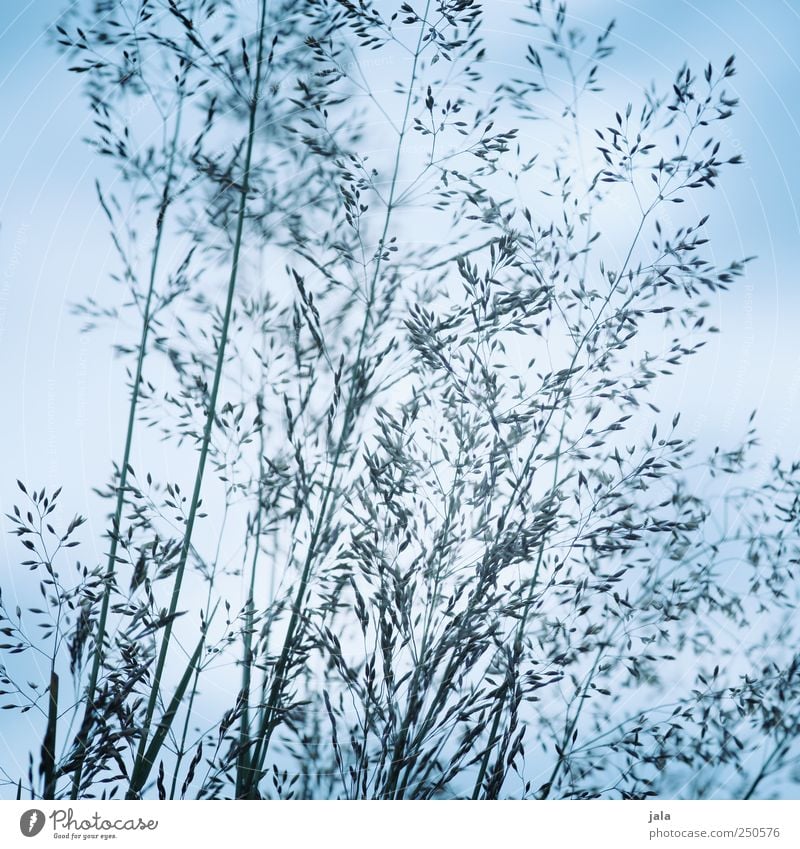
[413, 701]
[49, 746]
[207, 620]
[534, 581]
[100, 636]
[243, 758]
[272, 704]
[141, 768]
[776, 753]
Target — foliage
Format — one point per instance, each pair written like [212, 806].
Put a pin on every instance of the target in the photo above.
[430, 532]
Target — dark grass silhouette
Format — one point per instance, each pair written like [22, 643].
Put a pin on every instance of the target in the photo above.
[433, 536]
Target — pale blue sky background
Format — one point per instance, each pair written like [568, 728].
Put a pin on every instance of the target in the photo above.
[63, 397]
[63, 394]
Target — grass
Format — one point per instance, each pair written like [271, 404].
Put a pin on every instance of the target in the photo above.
[437, 540]
[145, 757]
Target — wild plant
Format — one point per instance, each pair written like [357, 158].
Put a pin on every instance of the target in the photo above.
[433, 537]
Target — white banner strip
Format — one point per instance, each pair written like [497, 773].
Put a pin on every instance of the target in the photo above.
[410, 825]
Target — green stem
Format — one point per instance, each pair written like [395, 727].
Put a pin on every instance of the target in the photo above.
[108, 579]
[141, 765]
[571, 725]
[49, 745]
[243, 758]
[534, 581]
[272, 705]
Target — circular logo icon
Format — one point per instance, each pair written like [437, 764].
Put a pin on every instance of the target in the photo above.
[31, 822]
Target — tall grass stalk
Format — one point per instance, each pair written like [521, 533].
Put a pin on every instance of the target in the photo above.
[570, 725]
[144, 757]
[109, 577]
[272, 707]
[243, 768]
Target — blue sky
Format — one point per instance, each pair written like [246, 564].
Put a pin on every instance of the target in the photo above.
[64, 394]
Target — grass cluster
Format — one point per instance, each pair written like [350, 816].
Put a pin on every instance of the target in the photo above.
[432, 537]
